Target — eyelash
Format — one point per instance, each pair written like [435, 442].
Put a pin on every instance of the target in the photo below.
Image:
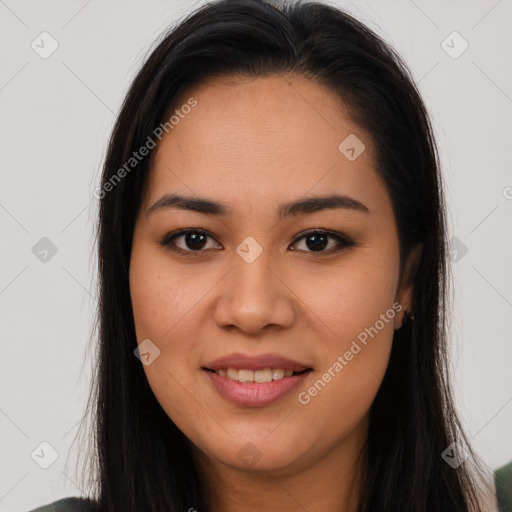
[342, 240]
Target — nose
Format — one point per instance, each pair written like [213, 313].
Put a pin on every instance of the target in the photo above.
[253, 296]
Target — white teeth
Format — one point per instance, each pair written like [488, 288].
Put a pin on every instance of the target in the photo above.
[277, 373]
[232, 374]
[265, 375]
[245, 376]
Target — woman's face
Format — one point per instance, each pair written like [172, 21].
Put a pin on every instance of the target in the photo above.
[255, 290]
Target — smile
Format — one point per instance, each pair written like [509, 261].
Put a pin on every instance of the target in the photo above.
[246, 375]
[241, 387]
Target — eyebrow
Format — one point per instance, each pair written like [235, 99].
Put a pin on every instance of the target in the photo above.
[292, 208]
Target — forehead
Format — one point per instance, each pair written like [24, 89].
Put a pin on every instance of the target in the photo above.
[263, 139]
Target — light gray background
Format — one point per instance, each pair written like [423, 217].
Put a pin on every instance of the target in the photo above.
[56, 116]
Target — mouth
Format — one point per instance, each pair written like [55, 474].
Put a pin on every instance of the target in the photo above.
[255, 381]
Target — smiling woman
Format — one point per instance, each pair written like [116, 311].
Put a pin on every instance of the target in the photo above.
[273, 278]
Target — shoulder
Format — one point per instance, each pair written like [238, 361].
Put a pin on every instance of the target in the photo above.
[69, 505]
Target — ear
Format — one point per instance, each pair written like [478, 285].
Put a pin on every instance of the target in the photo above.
[404, 295]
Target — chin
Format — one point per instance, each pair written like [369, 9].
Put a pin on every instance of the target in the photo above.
[256, 454]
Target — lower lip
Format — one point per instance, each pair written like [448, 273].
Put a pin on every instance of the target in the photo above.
[255, 394]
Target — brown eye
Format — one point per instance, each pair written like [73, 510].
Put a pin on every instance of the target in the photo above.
[191, 240]
[318, 241]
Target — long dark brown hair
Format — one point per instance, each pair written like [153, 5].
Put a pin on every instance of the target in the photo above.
[142, 462]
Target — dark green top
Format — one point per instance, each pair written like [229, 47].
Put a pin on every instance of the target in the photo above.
[69, 505]
[502, 479]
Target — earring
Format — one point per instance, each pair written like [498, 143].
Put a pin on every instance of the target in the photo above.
[409, 314]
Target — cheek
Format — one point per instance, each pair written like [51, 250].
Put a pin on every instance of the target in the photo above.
[351, 297]
[355, 317]
[168, 302]
[163, 313]
[163, 296]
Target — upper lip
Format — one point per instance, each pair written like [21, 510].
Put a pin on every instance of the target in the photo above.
[257, 362]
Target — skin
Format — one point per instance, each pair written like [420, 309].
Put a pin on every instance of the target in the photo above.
[254, 144]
